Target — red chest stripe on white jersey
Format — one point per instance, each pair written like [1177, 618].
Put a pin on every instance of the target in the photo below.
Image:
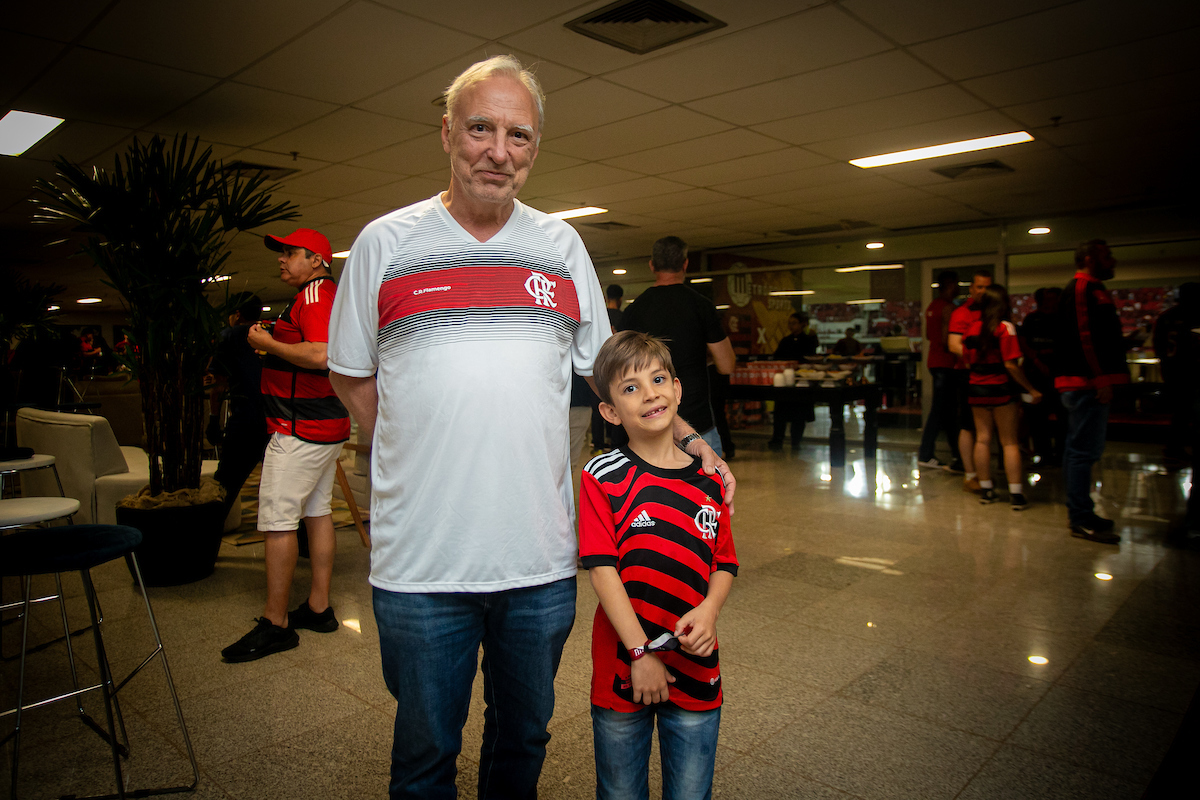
[476, 287]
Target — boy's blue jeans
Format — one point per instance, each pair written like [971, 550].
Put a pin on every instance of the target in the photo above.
[430, 646]
[687, 744]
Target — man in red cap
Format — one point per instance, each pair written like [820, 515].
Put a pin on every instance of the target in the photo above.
[307, 424]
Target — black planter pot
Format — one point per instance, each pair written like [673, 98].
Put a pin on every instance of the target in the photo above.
[179, 544]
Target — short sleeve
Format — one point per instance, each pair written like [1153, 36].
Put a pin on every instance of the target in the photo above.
[725, 557]
[313, 317]
[713, 332]
[594, 327]
[597, 528]
[959, 321]
[1010, 345]
[354, 321]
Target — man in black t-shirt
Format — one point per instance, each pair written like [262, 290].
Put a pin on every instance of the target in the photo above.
[688, 322]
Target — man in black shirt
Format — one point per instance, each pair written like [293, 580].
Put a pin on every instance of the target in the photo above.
[1048, 419]
[795, 346]
[688, 323]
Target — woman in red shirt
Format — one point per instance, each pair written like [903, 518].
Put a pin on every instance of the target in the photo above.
[993, 353]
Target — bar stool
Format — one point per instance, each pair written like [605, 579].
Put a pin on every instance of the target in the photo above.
[34, 462]
[81, 547]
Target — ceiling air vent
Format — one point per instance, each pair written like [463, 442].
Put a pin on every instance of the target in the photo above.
[841, 225]
[608, 226]
[640, 26]
[980, 169]
[247, 168]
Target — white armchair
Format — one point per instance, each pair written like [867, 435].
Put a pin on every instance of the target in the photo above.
[94, 469]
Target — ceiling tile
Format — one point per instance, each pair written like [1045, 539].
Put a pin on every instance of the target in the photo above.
[346, 133]
[1093, 25]
[96, 87]
[552, 162]
[786, 181]
[812, 197]
[1097, 103]
[61, 20]
[938, 102]
[334, 211]
[650, 205]
[486, 20]
[551, 41]
[401, 193]
[697, 152]
[591, 103]
[932, 19]
[338, 181]
[234, 113]
[657, 128]
[576, 179]
[357, 53]
[867, 79]
[77, 141]
[22, 58]
[748, 167]
[642, 187]
[223, 37]
[1179, 120]
[969, 126]
[802, 42]
[414, 157]
[727, 206]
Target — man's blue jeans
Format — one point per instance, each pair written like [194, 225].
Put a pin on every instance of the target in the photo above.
[687, 743]
[943, 414]
[430, 646]
[1087, 426]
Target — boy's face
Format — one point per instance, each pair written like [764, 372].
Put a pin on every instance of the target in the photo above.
[644, 401]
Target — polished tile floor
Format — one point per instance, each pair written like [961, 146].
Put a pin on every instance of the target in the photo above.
[887, 637]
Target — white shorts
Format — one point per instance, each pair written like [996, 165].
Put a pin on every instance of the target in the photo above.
[297, 481]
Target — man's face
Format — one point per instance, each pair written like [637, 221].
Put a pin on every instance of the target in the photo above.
[978, 284]
[493, 141]
[1103, 264]
[794, 325]
[644, 401]
[296, 268]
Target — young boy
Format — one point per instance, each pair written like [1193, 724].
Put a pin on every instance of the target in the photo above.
[654, 533]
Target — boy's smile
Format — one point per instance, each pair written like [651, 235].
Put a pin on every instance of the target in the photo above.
[644, 401]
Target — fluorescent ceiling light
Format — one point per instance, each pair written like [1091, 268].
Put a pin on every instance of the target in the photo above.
[52, 308]
[869, 267]
[619, 271]
[938, 150]
[792, 292]
[722, 307]
[874, 245]
[21, 130]
[586, 211]
[701, 280]
[865, 302]
[87, 301]
[342, 254]
[1040, 230]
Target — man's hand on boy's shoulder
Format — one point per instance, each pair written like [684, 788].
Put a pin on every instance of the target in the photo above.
[697, 631]
[650, 679]
[714, 464]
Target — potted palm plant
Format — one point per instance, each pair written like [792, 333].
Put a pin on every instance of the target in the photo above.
[159, 226]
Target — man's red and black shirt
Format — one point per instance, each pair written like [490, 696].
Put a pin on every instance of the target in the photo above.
[665, 531]
[300, 402]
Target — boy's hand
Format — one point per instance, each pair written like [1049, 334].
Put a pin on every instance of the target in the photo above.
[697, 631]
[650, 678]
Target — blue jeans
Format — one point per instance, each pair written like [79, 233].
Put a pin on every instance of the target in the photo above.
[713, 438]
[430, 646]
[1087, 425]
[687, 744]
[943, 414]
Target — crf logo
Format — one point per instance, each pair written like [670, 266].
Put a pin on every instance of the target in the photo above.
[706, 522]
[541, 289]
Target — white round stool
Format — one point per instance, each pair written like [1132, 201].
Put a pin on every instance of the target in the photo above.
[37, 461]
[34, 510]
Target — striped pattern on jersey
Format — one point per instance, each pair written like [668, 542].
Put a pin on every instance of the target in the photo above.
[666, 532]
[438, 288]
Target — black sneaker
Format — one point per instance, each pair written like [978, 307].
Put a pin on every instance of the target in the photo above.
[265, 639]
[1018, 502]
[987, 496]
[1099, 523]
[956, 466]
[305, 617]
[1088, 529]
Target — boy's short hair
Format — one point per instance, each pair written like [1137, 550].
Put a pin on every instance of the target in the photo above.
[625, 351]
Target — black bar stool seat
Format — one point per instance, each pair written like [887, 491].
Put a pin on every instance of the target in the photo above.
[68, 548]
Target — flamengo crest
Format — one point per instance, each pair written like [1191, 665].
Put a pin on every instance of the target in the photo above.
[541, 289]
[706, 522]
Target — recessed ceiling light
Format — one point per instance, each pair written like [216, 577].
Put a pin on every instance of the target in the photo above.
[791, 292]
[342, 254]
[938, 150]
[869, 267]
[21, 130]
[1039, 660]
[1040, 230]
[1103, 576]
[619, 271]
[52, 308]
[266, 308]
[88, 300]
[701, 280]
[585, 211]
[865, 302]
[874, 245]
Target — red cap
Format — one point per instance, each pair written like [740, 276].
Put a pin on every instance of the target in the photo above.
[302, 237]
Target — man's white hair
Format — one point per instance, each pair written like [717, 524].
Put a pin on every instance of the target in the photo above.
[492, 67]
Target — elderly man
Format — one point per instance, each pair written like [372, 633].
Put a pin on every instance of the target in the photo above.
[454, 336]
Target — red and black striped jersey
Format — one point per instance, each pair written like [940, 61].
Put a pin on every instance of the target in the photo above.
[665, 531]
[1091, 347]
[987, 364]
[300, 402]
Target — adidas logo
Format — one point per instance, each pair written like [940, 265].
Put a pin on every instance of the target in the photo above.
[643, 521]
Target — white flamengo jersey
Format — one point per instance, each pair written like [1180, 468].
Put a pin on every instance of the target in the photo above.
[473, 344]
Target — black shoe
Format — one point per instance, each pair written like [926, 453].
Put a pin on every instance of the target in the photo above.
[305, 617]
[956, 466]
[1099, 523]
[775, 444]
[987, 496]
[265, 639]
[1018, 502]
[1087, 529]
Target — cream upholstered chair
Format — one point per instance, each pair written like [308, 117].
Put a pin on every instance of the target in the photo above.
[94, 469]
